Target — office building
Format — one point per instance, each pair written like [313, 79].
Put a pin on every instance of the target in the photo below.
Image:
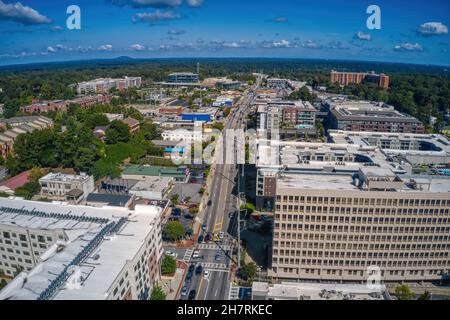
[371, 116]
[70, 252]
[340, 227]
[60, 186]
[346, 78]
[183, 78]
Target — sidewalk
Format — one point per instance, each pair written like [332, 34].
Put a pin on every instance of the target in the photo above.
[172, 284]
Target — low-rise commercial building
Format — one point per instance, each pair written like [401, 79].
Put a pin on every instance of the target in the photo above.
[141, 172]
[104, 85]
[153, 188]
[183, 77]
[58, 186]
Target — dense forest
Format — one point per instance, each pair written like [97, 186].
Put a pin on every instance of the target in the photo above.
[419, 90]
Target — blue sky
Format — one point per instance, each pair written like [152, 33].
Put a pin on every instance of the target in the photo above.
[411, 31]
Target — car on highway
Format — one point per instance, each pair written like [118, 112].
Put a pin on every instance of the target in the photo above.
[199, 269]
[206, 275]
[200, 239]
[184, 291]
[192, 294]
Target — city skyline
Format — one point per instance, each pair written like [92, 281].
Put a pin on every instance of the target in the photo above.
[35, 31]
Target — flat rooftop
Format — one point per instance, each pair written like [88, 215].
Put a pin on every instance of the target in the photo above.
[63, 177]
[99, 268]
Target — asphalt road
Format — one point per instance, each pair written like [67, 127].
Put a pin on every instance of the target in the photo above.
[221, 202]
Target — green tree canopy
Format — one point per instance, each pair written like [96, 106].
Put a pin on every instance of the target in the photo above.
[168, 265]
[117, 132]
[174, 231]
[403, 292]
[157, 294]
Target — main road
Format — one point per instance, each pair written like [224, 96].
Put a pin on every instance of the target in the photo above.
[216, 216]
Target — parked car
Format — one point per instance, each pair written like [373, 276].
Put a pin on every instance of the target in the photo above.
[191, 267]
[204, 226]
[188, 216]
[184, 291]
[221, 235]
[206, 275]
[199, 269]
[176, 212]
[195, 254]
[171, 254]
[192, 295]
[200, 239]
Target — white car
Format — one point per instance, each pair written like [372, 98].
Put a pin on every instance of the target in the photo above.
[195, 254]
[221, 235]
[171, 254]
[206, 274]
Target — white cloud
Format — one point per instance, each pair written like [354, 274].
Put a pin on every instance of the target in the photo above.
[176, 31]
[19, 13]
[278, 44]
[56, 28]
[407, 46]
[138, 47]
[280, 19]
[147, 3]
[432, 29]
[194, 3]
[363, 36]
[311, 44]
[105, 47]
[155, 17]
[51, 49]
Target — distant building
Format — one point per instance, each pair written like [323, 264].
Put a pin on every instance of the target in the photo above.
[228, 85]
[184, 135]
[18, 126]
[183, 77]
[60, 186]
[203, 117]
[9, 186]
[346, 78]
[45, 106]
[104, 85]
[133, 124]
[171, 110]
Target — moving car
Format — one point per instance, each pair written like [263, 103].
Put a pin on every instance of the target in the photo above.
[200, 239]
[217, 257]
[208, 238]
[199, 269]
[195, 254]
[171, 254]
[204, 226]
[221, 235]
[189, 276]
[192, 294]
[206, 275]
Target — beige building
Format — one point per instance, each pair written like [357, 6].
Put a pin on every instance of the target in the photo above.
[335, 227]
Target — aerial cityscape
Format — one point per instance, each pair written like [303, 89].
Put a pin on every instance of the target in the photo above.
[202, 150]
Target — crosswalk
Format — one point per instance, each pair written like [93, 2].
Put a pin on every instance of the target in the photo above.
[213, 246]
[233, 294]
[215, 266]
[188, 255]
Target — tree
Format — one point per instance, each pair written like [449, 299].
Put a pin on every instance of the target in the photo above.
[174, 231]
[158, 294]
[403, 292]
[117, 132]
[425, 296]
[3, 284]
[168, 265]
[175, 199]
[249, 207]
[249, 271]
[28, 190]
